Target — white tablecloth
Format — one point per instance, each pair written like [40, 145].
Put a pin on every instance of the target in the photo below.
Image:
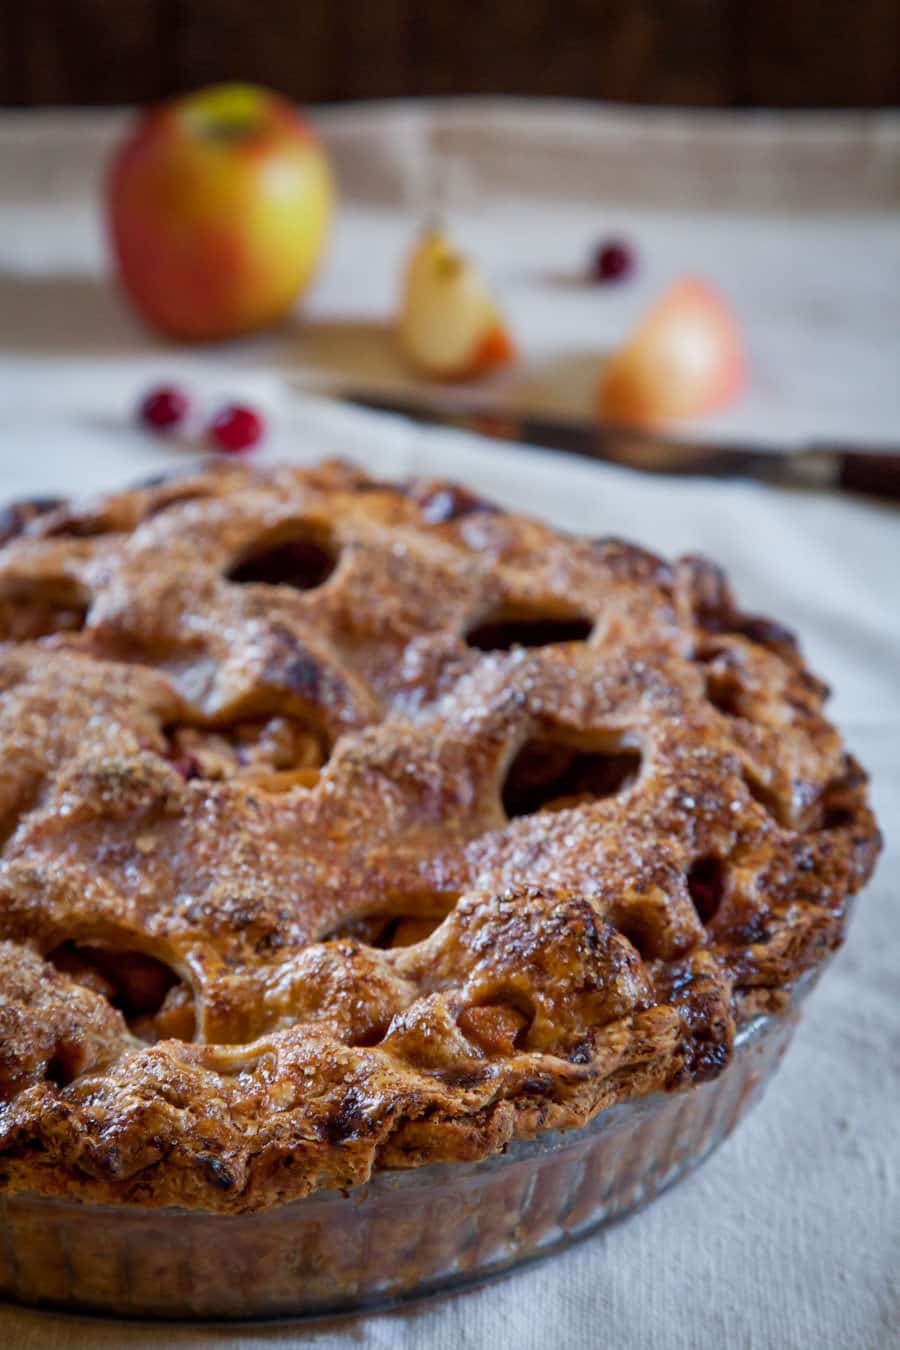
[790, 1235]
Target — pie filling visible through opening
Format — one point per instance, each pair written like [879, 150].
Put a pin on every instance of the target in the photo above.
[304, 560]
[150, 996]
[510, 628]
[551, 775]
[276, 752]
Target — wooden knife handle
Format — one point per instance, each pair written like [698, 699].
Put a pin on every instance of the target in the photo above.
[877, 474]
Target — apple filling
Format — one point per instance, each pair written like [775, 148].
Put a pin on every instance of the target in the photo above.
[274, 752]
[155, 1003]
[393, 929]
[497, 1028]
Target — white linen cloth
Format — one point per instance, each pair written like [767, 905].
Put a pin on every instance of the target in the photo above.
[789, 1236]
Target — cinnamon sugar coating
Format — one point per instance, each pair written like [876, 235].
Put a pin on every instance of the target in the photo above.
[348, 825]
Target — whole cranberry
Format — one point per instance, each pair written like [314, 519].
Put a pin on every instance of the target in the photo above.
[163, 409]
[236, 428]
[613, 260]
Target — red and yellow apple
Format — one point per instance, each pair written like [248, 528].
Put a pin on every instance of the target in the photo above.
[219, 204]
[685, 359]
[449, 325]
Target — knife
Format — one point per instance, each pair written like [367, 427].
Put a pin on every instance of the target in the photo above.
[871, 469]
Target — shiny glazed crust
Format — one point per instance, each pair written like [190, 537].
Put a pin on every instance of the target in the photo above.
[348, 825]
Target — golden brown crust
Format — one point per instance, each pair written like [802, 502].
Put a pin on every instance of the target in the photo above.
[310, 868]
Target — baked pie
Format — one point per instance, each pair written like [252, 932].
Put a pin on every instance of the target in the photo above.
[349, 826]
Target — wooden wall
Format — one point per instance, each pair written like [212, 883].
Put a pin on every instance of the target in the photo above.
[744, 53]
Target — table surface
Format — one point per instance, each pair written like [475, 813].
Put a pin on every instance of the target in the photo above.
[790, 1235]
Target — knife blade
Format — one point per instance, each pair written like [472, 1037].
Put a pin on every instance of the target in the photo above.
[873, 469]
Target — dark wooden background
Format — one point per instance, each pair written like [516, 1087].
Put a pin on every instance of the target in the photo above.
[731, 53]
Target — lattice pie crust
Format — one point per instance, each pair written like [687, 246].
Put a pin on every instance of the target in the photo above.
[348, 825]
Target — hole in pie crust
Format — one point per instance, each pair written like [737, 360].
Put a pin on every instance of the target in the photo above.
[638, 931]
[154, 1001]
[498, 1027]
[274, 753]
[392, 930]
[836, 818]
[56, 1072]
[62, 1068]
[373, 1035]
[550, 775]
[838, 806]
[509, 627]
[724, 693]
[304, 559]
[499, 1022]
[407, 930]
[706, 884]
[764, 795]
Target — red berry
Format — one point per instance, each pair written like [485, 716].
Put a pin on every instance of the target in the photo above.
[236, 428]
[163, 409]
[612, 261]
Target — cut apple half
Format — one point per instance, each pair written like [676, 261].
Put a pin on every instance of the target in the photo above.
[449, 327]
[685, 359]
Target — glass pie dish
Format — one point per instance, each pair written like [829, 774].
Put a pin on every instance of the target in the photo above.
[383, 876]
[404, 1235]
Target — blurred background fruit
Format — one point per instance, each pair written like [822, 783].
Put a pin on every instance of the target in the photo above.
[612, 260]
[235, 428]
[449, 325]
[163, 410]
[219, 205]
[685, 359]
